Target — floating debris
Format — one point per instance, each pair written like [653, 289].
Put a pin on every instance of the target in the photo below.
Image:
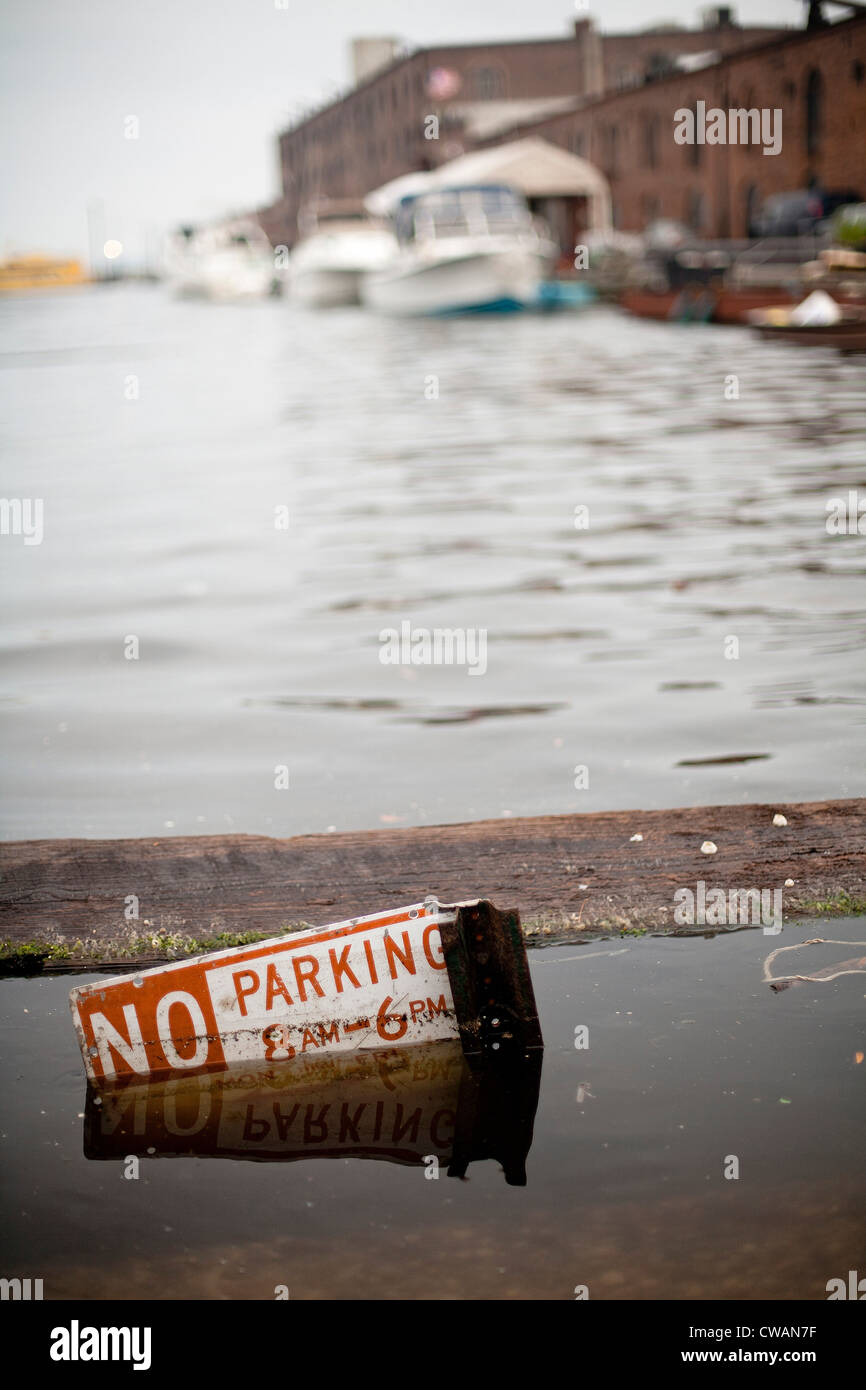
[709, 848]
[857, 966]
[724, 758]
[779, 819]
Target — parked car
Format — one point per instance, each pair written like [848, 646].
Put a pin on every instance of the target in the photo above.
[789, 214]
[801, 213]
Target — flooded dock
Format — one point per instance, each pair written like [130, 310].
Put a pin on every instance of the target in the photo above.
[698, 1135]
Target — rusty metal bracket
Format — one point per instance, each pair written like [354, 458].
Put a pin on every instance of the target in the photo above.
[490, 981]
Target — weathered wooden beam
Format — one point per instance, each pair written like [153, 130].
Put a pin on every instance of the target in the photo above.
[566, 874]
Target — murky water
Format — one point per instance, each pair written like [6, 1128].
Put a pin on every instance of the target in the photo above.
[162, 436]
[693, 1060]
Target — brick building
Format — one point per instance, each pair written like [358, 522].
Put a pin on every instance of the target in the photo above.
[816, 78]
[479, 93]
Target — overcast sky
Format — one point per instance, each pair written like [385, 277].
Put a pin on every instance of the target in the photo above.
[210, 82]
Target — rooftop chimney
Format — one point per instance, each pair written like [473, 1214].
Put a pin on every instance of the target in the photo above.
[719, 17]
[590, 68]
[370, 55]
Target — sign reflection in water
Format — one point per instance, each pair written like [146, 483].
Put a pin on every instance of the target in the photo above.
[405, 1105]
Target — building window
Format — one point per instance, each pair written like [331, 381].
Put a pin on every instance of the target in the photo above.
[651, 142]
[659, 65]
[814, 110]
[753, 200]
[857, 73]
[694, 211]
[651, 208]
[693, 152]
[487, 84]
[612, 148]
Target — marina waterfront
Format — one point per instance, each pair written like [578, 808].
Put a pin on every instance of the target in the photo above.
[636, 515]
[433, 543]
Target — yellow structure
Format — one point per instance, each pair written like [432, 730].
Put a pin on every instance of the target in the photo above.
[39, 272]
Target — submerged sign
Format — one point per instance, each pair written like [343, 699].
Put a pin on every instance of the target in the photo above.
[416, 974]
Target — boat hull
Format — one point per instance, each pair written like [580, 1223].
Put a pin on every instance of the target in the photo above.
[197, 270]
[728, 306]
[326, 287]
[326, 268]
[477, 282]
[845, 337]
[221, 281]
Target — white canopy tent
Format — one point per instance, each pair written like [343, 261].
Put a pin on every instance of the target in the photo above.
[382, 201]
[533, 166]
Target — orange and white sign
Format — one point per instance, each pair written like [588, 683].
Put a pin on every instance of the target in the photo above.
[370, 982]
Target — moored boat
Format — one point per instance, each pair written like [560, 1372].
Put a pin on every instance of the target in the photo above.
[818, 322]
[233, 260]
[707, 304]
[337, 250]
[462, 250]
[847, 336]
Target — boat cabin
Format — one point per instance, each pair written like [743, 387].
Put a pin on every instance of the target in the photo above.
[485, 210]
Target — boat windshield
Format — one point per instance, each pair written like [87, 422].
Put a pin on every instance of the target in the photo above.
[460, 212]
[324, 219]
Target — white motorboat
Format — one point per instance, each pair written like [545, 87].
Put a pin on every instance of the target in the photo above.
[330, 261]
[463, 250]
[232, 260]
